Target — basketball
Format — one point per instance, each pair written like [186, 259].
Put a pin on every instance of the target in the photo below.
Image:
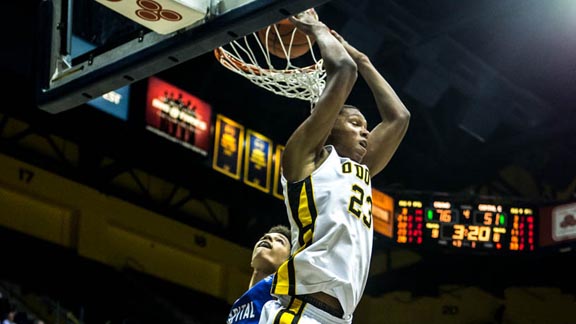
[283, 38]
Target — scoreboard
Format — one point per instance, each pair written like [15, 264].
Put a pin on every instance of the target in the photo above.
[464, 225]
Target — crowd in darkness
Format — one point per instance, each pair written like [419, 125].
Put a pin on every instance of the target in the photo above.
[10, 314]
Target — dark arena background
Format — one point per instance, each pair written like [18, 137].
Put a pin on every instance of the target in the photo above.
[137, 172]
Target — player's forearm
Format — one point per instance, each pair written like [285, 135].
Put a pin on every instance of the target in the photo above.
[333, 53]
[389, 104]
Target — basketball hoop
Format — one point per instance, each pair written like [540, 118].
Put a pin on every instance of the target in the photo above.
[256, 64]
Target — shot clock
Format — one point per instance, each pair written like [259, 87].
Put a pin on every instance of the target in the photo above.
[462, 225]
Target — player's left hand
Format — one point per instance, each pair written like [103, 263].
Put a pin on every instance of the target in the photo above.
[307, 21]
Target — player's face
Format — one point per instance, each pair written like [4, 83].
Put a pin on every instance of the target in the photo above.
[270, 251]
[350, 134]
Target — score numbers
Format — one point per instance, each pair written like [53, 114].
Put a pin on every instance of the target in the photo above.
[475, 226]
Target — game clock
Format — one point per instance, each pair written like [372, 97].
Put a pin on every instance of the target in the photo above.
[461, 225]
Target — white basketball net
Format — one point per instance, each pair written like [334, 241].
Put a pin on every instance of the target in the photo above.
[305, 83]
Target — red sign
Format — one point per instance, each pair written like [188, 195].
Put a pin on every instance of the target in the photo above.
[178, 116]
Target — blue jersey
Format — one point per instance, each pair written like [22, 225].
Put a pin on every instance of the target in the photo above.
[247, 308]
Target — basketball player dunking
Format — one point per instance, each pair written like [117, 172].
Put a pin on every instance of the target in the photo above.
[327, 167]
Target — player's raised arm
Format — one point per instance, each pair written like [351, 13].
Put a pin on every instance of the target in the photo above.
[305, 148]
[385, 138]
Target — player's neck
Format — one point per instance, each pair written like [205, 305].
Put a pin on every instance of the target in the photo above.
[257, 275]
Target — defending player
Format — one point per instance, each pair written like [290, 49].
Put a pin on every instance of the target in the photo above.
[269, 252]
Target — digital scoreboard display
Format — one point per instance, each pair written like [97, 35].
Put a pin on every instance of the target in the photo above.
[481, 226]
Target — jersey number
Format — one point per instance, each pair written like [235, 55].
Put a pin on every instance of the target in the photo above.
[355, 205]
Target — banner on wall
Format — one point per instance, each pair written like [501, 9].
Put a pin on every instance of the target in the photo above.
[178, 116]
[228, 147]
[258, 161]
[246, 155]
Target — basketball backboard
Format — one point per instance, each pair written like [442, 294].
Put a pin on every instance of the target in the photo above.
[86, 48]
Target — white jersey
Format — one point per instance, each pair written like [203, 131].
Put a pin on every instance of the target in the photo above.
[330, 214]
